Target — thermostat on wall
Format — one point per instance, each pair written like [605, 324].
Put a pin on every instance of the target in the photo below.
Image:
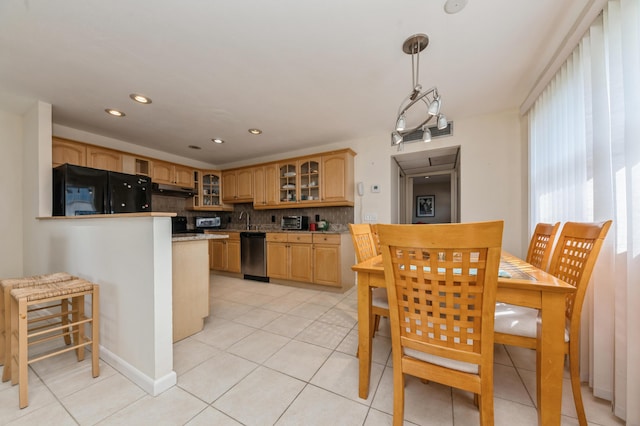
[375, 188]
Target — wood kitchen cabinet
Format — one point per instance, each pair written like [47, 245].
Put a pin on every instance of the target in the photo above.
[299, 181]
[327, 259]
[104, 159]
[172, 174]
[237, 185]
[322, 180]
[190, 290]
[337, 171]
[135, 165]
[265, 186]
[65, 151]
[290, 256]
[224, 254]
[209, 194]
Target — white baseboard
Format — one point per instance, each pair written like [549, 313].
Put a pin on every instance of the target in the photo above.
[152, 386]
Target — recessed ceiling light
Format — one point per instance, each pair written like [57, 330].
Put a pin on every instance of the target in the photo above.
[217, 140]
[115, 112]
[194, 147]
[255, 131]
[140, 98]
[454, 6]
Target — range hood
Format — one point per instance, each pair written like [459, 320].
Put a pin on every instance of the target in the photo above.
[172, 190]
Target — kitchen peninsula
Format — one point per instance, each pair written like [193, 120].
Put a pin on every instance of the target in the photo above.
[190, 272]
[130, 257]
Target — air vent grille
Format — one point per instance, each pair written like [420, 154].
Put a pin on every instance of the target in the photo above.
[435, 133]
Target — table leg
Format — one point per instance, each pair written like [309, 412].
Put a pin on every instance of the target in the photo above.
[550, 358]
[364, 333]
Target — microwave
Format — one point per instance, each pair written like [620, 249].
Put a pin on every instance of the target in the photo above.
[295, 223]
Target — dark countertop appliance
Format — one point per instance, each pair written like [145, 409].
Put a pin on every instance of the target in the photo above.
[172, 190]
[295, 223]
[83, 190]
[179, 226]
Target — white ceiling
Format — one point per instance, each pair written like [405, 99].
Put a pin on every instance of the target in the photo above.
[307, 72]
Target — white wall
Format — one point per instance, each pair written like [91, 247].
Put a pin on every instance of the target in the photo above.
[130, 258]
[11, 195]
[492, 180]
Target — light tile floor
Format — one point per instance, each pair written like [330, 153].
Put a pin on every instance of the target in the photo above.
[276, 355]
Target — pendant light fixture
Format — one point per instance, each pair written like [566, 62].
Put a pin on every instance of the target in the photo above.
[429, 98]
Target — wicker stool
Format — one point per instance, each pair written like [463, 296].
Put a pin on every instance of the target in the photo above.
[43, 321]
[25, 297]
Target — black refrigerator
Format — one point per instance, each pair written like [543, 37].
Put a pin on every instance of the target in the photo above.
[83, 190]
[129, 193]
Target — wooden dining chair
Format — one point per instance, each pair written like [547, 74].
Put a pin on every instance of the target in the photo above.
[365, 247]
[541, 245]
[376, 237]
[573, 259]
[442, 282]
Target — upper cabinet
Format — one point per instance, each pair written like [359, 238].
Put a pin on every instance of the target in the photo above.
[103, 158]
[323, 180]
[265, 185]
[172, 174]
[65, 151]
[209, 196]
[136, 165]
[338, 183]
[309, 179]
[299, 181]
[237, 185]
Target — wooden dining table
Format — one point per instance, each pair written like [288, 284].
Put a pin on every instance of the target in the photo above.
[525, 285]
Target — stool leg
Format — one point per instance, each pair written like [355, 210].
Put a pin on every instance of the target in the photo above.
[23, 362]
[6, 372]
[95, 331]
[64, 314]
[12, 373]
[78, 330]
[3, 330]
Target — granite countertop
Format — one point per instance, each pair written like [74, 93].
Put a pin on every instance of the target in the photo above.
[196, 237]
[336, 230]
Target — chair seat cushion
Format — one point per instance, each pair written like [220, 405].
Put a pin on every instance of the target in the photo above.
[518, 321]
[443, 362]
[379, 298]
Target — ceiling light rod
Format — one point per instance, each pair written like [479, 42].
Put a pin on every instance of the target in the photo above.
[431, 98]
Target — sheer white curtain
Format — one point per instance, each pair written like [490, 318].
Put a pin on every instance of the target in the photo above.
[585, 166]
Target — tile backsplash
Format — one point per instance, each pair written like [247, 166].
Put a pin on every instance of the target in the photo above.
[338, 217]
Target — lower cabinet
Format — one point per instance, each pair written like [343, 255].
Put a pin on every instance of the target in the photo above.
[290, 256]
[327, 259]
[316, 258]
[224, 254]
[190, 287]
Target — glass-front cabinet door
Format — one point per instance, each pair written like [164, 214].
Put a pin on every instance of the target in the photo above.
[210, 193]
[309, 179]
[288, 185]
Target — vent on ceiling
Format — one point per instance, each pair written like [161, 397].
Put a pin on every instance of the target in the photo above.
[435, 133]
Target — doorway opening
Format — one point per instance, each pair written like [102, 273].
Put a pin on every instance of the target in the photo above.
[429, 186]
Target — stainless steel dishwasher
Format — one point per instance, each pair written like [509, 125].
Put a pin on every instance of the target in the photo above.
[253, 256]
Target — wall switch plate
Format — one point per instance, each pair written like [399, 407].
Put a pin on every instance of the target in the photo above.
[375, 188]
[371, 217]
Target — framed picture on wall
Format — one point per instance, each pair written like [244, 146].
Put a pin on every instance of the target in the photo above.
[426, 205]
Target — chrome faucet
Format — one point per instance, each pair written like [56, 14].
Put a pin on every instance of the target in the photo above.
[243, 213]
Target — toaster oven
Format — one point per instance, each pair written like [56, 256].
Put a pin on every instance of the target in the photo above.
[295, 223]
